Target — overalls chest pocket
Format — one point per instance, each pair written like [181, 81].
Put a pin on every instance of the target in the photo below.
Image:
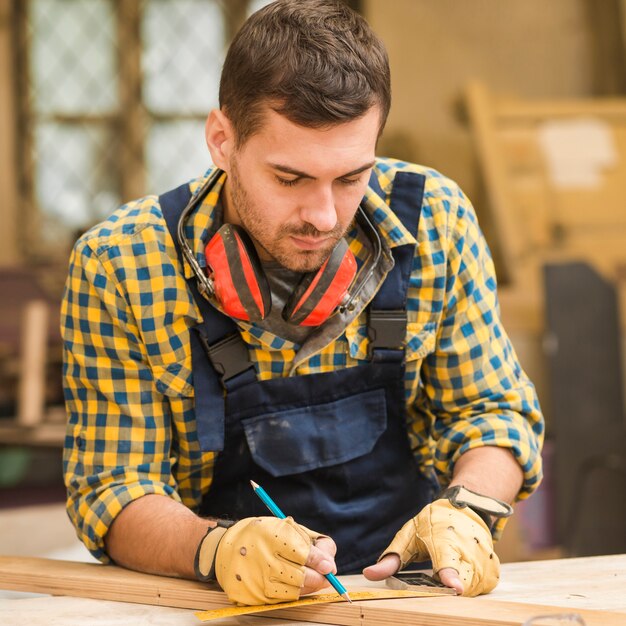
[297, 440]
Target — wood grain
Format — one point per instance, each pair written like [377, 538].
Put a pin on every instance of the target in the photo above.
[90, 580]
[105, 582]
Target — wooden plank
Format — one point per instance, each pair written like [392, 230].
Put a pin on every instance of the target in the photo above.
[513, 111]
[509, 237]
[451, 611]
[114, 583]
[43, 435]
[31, 398]
[92, 580]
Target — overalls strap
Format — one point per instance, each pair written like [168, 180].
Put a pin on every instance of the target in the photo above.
[217, 337]
[387, 316]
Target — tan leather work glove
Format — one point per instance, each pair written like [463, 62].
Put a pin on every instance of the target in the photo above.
[456, 537]
[258, 560]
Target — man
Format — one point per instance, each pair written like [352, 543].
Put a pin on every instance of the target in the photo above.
[305, 316]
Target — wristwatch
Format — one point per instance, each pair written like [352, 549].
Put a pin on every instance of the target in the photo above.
[485, 507]
[204, 561]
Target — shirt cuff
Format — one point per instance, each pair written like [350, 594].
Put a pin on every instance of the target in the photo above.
[93, 514]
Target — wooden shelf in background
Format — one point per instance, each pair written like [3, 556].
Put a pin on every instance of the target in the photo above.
[41, 435]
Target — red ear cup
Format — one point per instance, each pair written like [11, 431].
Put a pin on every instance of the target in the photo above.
[319, 293]
[234, 266]
[244, 293]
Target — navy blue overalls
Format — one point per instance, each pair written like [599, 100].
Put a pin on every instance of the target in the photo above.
[331, 449]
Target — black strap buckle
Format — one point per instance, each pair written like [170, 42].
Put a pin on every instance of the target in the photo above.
[386, 329]
[229, 355]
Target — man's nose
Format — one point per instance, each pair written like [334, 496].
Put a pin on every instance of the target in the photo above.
[320, 210]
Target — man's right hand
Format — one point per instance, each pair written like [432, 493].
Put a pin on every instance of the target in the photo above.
[265, 560]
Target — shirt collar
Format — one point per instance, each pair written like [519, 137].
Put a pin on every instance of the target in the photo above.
[205, 220]
[389, 225]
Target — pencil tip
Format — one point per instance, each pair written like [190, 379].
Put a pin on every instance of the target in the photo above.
[254, 485]
[347, 597]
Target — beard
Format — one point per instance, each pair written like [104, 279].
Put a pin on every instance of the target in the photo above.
[278, 245]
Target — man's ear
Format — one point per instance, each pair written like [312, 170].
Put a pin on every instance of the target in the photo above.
[220, 138]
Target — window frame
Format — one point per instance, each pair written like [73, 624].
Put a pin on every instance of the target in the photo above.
[20, 239]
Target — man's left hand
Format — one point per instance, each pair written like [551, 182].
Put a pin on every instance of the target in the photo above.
[456, 540]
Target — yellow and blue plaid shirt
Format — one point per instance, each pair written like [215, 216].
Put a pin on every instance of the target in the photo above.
[126, 315]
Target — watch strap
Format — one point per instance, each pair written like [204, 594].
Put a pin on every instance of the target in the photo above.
[204, 561]
[484, 506]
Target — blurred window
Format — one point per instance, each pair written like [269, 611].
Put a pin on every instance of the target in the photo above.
[113, 98]
[182, 53]
[70, 111]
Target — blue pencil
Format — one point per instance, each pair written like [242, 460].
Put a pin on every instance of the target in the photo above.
[272, 506]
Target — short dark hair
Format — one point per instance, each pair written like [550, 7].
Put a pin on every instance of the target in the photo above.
[317, 62]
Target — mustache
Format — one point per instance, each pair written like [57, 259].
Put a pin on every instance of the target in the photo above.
[308, 230]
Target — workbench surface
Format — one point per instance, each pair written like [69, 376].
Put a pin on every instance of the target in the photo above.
[596, 583]
[583, 583]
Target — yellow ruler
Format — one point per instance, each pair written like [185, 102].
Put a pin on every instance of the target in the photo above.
[374, 594]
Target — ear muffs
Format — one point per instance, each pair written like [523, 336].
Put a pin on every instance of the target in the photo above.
[244, 293]
[319, 293]
[240, 285]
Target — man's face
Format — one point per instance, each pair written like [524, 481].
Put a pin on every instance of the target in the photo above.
[296, 189]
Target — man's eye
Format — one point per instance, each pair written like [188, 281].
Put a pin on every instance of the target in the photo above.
[349, 181]
[287, 182]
